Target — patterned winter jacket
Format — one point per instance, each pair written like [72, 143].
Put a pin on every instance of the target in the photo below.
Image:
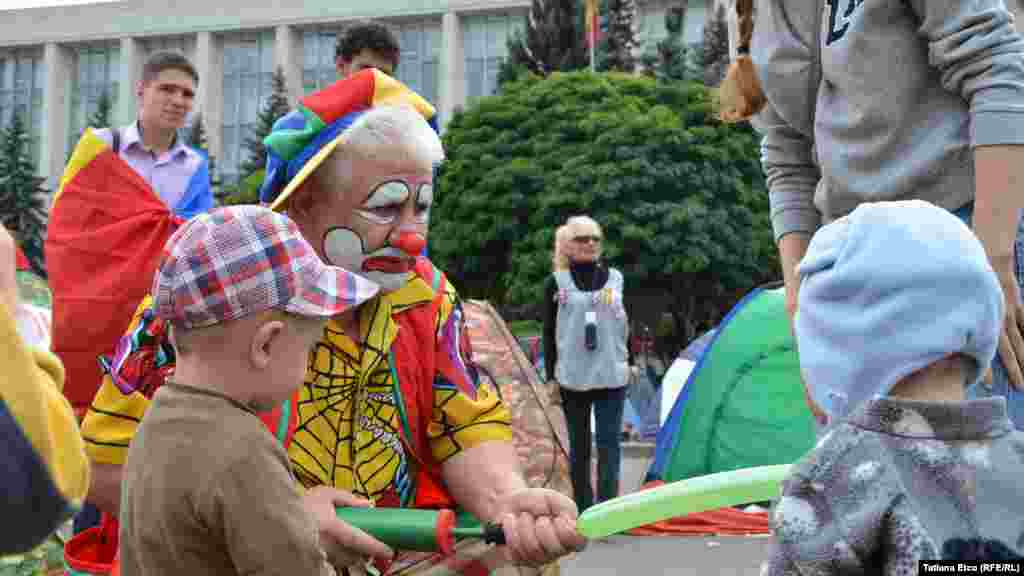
[900, 482]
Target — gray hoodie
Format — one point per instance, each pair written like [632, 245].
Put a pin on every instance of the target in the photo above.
[875, 100]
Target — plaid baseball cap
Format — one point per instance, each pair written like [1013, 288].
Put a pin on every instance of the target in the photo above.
[240, 260]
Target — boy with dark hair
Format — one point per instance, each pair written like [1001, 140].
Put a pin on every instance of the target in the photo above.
[367, 45]
[151, 144]
[167, 60]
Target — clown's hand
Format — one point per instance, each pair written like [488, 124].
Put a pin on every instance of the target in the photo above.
[539, 525]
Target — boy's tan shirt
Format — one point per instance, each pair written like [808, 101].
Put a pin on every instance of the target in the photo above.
[209, 491]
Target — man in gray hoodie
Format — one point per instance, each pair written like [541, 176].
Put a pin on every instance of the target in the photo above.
[873, 100]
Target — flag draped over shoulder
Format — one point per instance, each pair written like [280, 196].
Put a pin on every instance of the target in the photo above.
[106, 231]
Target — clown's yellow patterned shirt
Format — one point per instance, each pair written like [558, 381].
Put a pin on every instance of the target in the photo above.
[347, 433]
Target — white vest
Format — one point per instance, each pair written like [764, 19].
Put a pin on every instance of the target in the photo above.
[607, 366]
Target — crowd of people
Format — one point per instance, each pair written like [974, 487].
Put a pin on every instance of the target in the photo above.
[290, 358]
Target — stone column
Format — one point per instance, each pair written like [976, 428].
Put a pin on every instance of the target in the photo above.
[132, 58]
[209, 62]
[288, 56]
[54, 137]
[452, 88]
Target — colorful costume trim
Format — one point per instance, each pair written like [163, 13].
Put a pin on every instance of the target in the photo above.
[46, 473]
[304, 138]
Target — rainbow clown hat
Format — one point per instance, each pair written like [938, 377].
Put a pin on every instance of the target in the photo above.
[301, 140]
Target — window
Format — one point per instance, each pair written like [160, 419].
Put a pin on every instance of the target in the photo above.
[22, 75]
[421, 53]
[248, 79]
[652, 24]
[485, 46]
[318, 68]
[95, 70]
[697, 14]
[418, 66]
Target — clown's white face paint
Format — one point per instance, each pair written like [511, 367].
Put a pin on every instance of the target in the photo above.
[344, 248]
[384, 204]
[392, 218]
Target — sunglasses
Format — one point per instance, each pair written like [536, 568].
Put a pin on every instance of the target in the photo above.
[586, 239]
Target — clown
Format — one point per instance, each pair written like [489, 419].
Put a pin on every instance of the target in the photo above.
[391, 411]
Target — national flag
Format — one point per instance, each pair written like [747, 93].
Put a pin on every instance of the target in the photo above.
[106, 232]
[593, 23]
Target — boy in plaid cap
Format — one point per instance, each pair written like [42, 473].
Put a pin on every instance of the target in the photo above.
[207, 488]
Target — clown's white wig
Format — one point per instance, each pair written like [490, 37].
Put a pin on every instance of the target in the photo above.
[390, 132]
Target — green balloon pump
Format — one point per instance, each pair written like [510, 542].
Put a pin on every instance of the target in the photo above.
[438, 530]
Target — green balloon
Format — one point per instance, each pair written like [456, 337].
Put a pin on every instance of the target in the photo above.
[733, 488]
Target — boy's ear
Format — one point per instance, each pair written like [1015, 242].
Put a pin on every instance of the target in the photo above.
[264, 341]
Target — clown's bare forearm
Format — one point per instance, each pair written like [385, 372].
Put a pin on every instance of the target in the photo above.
[999, 174]
[477, 477]
[105, 488]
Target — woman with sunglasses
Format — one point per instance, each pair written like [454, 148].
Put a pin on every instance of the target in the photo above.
[586, 353]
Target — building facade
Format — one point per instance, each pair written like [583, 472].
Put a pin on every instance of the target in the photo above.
[55, 63]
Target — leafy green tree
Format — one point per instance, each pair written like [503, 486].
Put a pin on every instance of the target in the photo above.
[712, 55]
[23, 198]
[681, 196]
[671, 59]
[512, 69]
[100, 117]
[553, 38]
[246, 191]
[620, 40]
[276, 106]
[198, 141]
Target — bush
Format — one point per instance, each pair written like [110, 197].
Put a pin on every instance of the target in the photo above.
[680, 195]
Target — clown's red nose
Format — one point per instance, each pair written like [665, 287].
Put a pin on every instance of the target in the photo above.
[411, 243]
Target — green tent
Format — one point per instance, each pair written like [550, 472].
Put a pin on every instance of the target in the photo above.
[743, 403]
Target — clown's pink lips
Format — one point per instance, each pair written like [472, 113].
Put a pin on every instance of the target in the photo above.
[388, 264]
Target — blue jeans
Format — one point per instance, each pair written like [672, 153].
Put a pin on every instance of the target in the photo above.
[1000, 378]
[608, 404]
[88, 517]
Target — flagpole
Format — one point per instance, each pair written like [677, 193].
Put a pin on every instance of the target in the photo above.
[592, 21]
[593, 65]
